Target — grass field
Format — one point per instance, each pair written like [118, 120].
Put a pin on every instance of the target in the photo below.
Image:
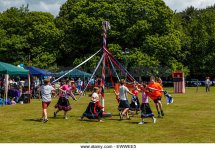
[190, 119]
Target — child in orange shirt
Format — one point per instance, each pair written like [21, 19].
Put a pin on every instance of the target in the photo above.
[155, 95]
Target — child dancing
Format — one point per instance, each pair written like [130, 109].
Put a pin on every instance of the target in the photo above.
[94, 109]
[63, 102]
[146, 111]
[135, 103]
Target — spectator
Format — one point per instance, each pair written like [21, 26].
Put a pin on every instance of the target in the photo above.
[207, 84]
[79, 84]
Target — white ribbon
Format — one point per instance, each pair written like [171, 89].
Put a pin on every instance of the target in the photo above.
[77, 66]
[92, 75]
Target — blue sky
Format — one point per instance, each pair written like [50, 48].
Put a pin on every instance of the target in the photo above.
[53, 6]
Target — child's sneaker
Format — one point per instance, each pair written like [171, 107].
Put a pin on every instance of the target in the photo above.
[81, 118]
[65, 118]
[141, 122]
[55, 115]
[132, 113]
[162, 113]
[154, 120]
[120, 115]
[159, 116]
[128, 118]
[45, 120]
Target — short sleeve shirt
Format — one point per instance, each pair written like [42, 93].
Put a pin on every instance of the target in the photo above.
[46, 91]
[123, 92]
[65, 88]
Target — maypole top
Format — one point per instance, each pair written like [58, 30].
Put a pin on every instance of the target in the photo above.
[105, 25]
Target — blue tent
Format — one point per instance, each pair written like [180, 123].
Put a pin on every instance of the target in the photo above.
[38, 72]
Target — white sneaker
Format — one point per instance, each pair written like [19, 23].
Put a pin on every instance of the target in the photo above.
[154, 120]
[141, 122]
[65, 118]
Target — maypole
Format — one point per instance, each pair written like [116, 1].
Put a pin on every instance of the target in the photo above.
[106, 27]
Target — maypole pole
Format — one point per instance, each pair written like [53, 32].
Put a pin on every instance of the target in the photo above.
[106, 27]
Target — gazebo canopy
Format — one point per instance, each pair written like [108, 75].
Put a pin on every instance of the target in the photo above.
[74, 74]
[6, 68]
[37, 71]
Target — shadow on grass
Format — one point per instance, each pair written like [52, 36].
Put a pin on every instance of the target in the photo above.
[35, 120]
[90, 120]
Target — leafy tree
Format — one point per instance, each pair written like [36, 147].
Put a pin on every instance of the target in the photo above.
[30, 38]
[199, 26]
[135, 24]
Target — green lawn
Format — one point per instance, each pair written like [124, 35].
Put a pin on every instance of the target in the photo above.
[190, 119]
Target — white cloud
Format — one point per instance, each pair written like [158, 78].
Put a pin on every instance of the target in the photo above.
[5, 4]
[52, 6]
[45, 6]
[181, 5]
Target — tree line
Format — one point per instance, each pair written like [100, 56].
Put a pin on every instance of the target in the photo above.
[146, 36]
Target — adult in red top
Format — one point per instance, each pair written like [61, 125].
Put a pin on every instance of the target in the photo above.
[155, 94]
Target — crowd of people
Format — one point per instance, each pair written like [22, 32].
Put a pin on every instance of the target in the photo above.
[94, 109]
[153, 90]
[69, 88]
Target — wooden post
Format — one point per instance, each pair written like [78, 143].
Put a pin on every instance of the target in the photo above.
[6, 87]
[29, 86]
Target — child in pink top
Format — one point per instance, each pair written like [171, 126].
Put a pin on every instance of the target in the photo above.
[146, 111]
[63, 102]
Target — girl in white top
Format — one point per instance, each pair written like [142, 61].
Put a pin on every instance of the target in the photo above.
[94, 109]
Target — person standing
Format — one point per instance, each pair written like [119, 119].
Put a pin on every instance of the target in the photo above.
[135, 103]
[207, 84]
[123, 90]
[79, 84]
[63, 102]
[155, 95]
[46, 92]
[146, 111]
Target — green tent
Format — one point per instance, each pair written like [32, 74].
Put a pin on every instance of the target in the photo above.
[9, 69]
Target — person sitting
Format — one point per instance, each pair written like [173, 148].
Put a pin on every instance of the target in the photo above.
[94, 109]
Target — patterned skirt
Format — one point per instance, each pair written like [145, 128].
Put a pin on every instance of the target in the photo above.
[135, 104]
[63, 104]
[146, 111]
[93, 111]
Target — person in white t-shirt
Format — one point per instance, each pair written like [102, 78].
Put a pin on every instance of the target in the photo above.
[123, 90]
[46, 92]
